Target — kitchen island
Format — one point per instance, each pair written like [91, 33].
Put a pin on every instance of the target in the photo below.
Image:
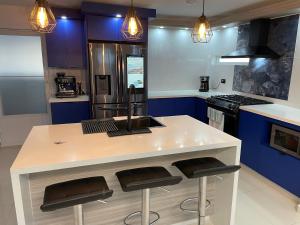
[57, 153]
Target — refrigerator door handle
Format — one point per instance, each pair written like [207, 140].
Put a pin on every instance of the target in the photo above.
[111, 108]
[92, 77]
[122, 74]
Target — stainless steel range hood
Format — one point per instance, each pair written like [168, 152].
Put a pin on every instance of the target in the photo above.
[258, 42]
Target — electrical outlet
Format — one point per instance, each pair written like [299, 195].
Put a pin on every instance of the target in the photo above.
[223, 81]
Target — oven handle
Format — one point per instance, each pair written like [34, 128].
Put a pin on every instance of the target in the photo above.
[230, 114]
[233, 115]
[110, 108]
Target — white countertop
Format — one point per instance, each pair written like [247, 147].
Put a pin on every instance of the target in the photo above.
[182, 134]
[183, 93]
[79, 98]
[276, 111]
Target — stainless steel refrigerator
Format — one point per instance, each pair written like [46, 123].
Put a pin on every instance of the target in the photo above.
[112, 69]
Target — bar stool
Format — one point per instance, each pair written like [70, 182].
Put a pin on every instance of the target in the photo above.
[75, 193]
[201, 168]
[144, 179]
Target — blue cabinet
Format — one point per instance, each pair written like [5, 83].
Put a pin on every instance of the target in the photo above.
[103, 28]
[70, 112]
[194, 107]
[65, 45]
[282, 169]
[201, 110]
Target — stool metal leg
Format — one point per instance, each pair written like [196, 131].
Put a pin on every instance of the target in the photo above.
[78, 215]
[202, 200]
[146, 207]
[145, 212]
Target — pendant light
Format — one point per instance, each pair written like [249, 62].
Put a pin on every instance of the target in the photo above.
[202, 32]
[132, 28]
[41, 18]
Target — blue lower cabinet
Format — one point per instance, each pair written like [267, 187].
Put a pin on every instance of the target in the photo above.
[70, 112]
[282, 169]
[201, 110]
[194, 107]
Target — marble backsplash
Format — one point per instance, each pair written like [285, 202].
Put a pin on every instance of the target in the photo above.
[269, 77]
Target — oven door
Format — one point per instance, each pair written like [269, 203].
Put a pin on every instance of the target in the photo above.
[231, 120]
[231, 123]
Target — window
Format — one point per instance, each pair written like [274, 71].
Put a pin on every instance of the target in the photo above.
[22, 86]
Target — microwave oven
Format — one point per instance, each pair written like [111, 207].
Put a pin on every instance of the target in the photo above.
[285, 140]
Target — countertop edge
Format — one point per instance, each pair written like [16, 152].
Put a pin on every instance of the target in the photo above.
[69, 165]
[182, 94]
[271, 116]
[178, 96]
[81, 98]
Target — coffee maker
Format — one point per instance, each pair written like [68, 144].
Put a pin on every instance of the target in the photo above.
[204, 84]
[65, 86]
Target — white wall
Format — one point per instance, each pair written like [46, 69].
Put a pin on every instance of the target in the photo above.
[175, 62]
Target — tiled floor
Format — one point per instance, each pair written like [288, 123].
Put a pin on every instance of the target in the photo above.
[259, 203]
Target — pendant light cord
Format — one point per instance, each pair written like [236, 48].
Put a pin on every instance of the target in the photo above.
[203, 7]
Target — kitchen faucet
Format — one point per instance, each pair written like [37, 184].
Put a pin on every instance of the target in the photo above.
[131, 92]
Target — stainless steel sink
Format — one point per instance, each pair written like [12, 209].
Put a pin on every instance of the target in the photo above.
[139, 123]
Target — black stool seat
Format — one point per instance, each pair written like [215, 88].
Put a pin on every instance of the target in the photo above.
[75, 192]
[145, 178]
[202, 167]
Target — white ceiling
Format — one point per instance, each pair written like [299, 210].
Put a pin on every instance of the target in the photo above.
[164, 7]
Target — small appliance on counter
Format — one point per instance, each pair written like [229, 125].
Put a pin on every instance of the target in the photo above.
[204, 84]
[65, 86]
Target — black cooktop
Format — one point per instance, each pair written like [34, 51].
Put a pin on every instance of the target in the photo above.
[241, 100]
[232, 103]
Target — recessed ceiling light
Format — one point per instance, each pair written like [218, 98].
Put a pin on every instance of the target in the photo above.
[186, 28]
[161, 27]
[224, 26]
[118, 15]
[64, 17]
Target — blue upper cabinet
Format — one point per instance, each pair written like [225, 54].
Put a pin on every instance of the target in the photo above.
[65, 45]
[103, 25]
[102, 28]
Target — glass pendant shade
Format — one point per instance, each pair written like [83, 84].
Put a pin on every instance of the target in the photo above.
[202, 32]
[132, 28]
[41, 18]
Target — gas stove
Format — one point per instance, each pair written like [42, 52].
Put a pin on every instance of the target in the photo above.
[232, 103]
